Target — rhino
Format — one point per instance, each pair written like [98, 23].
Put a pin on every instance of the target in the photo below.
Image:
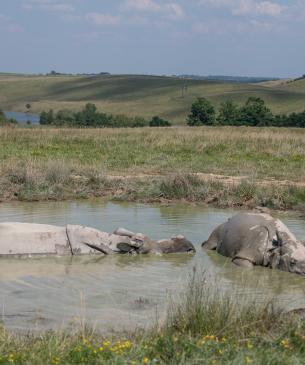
[26, 239]
[251, 239]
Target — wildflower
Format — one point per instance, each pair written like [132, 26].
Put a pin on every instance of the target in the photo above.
[106, 343]
[101, 349]
[175, 339]
[145, 360]
[56, 361]
[248, 360]
[285, 343]
[249, 345]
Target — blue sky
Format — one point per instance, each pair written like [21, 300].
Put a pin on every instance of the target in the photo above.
[232, 37]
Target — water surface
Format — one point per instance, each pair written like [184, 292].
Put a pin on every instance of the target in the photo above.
[122, 292]
[23, 117]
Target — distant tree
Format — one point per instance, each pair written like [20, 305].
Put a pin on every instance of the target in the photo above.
[28, 106]
[47, 118]
[159, 122]
[255, 113]
[88, 116]
[65, 117]
[202, 113]
[4, 120]
[229, 113]
[2, 117]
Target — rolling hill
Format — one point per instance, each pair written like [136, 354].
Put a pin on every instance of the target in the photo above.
[140, 95]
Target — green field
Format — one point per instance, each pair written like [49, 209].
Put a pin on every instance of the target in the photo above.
[264, 166]
[140, 95]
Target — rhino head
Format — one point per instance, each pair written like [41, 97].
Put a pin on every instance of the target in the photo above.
[288, 253]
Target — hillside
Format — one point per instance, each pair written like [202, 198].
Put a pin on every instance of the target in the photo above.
[140, 95]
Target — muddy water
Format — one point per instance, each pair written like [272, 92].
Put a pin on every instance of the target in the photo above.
[121, 292]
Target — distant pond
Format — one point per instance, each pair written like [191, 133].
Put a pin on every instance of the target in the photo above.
[23, 117]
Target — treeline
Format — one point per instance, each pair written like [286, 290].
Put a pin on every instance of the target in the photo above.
[90, 117]
[253, 113]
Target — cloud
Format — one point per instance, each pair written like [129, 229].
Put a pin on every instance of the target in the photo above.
[8, 25]
[248, 7]
[263, 8]
[49, 5]
[141, 5]
[171, 10]
[102, 19]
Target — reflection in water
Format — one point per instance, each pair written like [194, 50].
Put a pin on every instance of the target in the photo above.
[118, 292]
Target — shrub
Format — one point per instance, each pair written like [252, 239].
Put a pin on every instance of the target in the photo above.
[202, 113]
[159, 122]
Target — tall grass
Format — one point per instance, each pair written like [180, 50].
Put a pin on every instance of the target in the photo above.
[204, 309]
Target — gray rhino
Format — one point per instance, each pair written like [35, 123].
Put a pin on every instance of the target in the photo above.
[25, 239]
[258, 239]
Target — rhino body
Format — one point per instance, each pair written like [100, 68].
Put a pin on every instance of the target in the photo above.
[25, 239]
[258, 239]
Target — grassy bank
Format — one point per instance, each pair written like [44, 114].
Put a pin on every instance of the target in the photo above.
[143, 96]
[265, 166]
[203, 326]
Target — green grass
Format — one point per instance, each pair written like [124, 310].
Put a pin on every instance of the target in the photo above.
[139, 95]
[155, 164]
[203, 326]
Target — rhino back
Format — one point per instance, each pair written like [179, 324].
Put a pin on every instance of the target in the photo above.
[33, 239]
[247, 236]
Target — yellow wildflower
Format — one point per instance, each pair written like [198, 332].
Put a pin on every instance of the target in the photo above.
[106, 343]
[145, 360]
[248, 360]
[285, 343]
[249, 345]
[101, 348]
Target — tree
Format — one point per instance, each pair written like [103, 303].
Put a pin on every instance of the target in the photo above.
[47, 118]
[202, 113]
[64, 117]
[255, 113]
[229, 113]
[159, 122]
[88, 117]
[28, 106]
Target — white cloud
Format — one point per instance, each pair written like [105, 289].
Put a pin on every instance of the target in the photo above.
[248, 7]
[8, 25]
[142, 5]
[102, 19]
[49, 5]
[171, 10]
[263, 8]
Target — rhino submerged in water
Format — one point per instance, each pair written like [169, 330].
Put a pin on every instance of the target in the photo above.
[26, 239]
[258, 239]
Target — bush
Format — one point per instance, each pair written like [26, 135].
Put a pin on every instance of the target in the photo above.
[4, 120]
[159, 122]
[202, 113]
[255, 113]
[229, 113]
